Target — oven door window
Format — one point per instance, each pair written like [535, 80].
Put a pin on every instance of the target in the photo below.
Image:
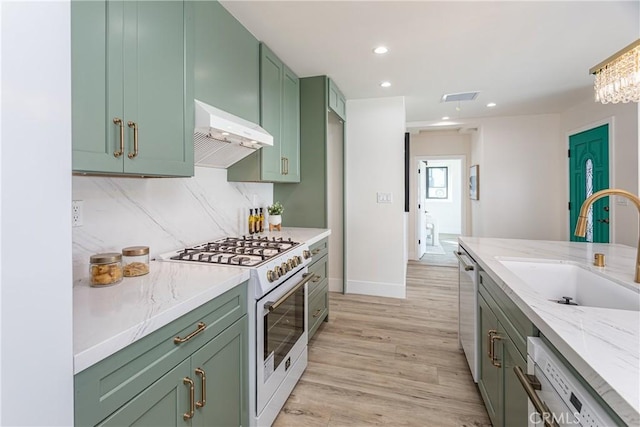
[283, 327]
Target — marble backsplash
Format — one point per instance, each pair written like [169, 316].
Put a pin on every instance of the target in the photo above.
[162, 213]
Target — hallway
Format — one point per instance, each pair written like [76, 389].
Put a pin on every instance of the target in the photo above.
[442, 255]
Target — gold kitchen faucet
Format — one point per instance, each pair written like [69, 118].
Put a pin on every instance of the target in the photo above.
[581, 225]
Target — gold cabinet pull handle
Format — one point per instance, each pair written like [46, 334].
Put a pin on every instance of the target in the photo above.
[192, 397]
[316, 278]
[201, 327]
[133, 125]
[282, 170]
[286, 162]
[317, 313]
[495, 362]
[316, 251]
[203, 380]
[530, 384]
[489, 346]
[118, 122]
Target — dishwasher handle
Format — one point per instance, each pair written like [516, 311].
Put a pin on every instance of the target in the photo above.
[530, 384]
[467, 267]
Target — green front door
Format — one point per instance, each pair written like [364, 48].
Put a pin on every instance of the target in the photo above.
[588, 173]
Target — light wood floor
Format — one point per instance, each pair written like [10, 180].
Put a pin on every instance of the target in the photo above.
[386, 361]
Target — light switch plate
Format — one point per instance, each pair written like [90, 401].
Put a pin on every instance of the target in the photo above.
[385, 197]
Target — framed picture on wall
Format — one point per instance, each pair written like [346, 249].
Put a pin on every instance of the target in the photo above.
[474, 189]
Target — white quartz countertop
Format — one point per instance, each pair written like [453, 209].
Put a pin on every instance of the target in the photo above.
[108, 319]
[603, 345]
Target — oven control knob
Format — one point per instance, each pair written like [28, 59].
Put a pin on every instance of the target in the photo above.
[272, 275]
[299, 259]
[278, 270]
[293, 262]
[285, 267]
[306, 254]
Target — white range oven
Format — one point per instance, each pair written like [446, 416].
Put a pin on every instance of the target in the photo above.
[277, 307]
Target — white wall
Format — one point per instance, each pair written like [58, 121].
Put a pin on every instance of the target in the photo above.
[36, 359]
[375, 240]
[335, 200]
[162, 213]
[522, 179]
[623, 157]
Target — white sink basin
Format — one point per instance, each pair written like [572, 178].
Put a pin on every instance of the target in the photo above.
[555, 280]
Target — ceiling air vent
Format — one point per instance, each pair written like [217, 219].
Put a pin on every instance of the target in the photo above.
[457, 97]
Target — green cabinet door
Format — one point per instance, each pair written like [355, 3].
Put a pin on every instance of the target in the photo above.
[157, 75]
[290, 148]
[222, 366]
[489, 381]
[164, 403]
[280, 116]
[93, 107]
[271, 69]
[227, 62]
[516, 410]
[132, 87]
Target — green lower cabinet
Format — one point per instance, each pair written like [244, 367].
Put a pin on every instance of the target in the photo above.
[318, 288]
[318, 310]
[516, 409]
[489, 378]
[149, 382]
[162, 404]
[223, 362]
[502, 347]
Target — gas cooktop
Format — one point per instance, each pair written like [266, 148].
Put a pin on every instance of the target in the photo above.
[245, 251]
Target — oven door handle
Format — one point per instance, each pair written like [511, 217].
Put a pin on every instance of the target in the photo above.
[271, 306]
[530, 384]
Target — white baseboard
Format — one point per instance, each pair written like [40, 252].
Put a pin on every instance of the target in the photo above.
[335, 285]
[392, 290]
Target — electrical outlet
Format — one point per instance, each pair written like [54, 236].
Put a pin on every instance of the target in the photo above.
[76, 213]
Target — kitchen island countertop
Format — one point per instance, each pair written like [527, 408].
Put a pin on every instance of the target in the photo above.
[105, 320]
[603, 345]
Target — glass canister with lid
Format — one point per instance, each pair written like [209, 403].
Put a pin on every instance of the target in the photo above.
[105, 269]
[135, 260]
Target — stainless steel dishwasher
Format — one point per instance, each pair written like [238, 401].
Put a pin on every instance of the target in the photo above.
[468, 309]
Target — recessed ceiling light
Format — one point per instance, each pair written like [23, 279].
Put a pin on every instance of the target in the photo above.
[445, 118]
[380, 50]
[385, 84]
[491, 104]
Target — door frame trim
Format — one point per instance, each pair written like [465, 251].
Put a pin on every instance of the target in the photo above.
[610, 121]
[415, 163]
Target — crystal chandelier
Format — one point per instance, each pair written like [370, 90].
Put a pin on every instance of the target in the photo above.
[618, 77]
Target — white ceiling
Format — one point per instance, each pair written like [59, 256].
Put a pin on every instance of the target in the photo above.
[528, 57]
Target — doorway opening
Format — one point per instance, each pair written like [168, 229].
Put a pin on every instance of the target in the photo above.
[440, 213]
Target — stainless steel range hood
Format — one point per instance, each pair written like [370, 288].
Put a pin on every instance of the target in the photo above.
[221, 139]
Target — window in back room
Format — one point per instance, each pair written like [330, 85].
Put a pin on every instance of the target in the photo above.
[437, 182]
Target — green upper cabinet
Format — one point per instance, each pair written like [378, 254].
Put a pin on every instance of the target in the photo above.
[227, 62]
[280, 116]
[132, 87]
[337, 101]
[321, 147]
